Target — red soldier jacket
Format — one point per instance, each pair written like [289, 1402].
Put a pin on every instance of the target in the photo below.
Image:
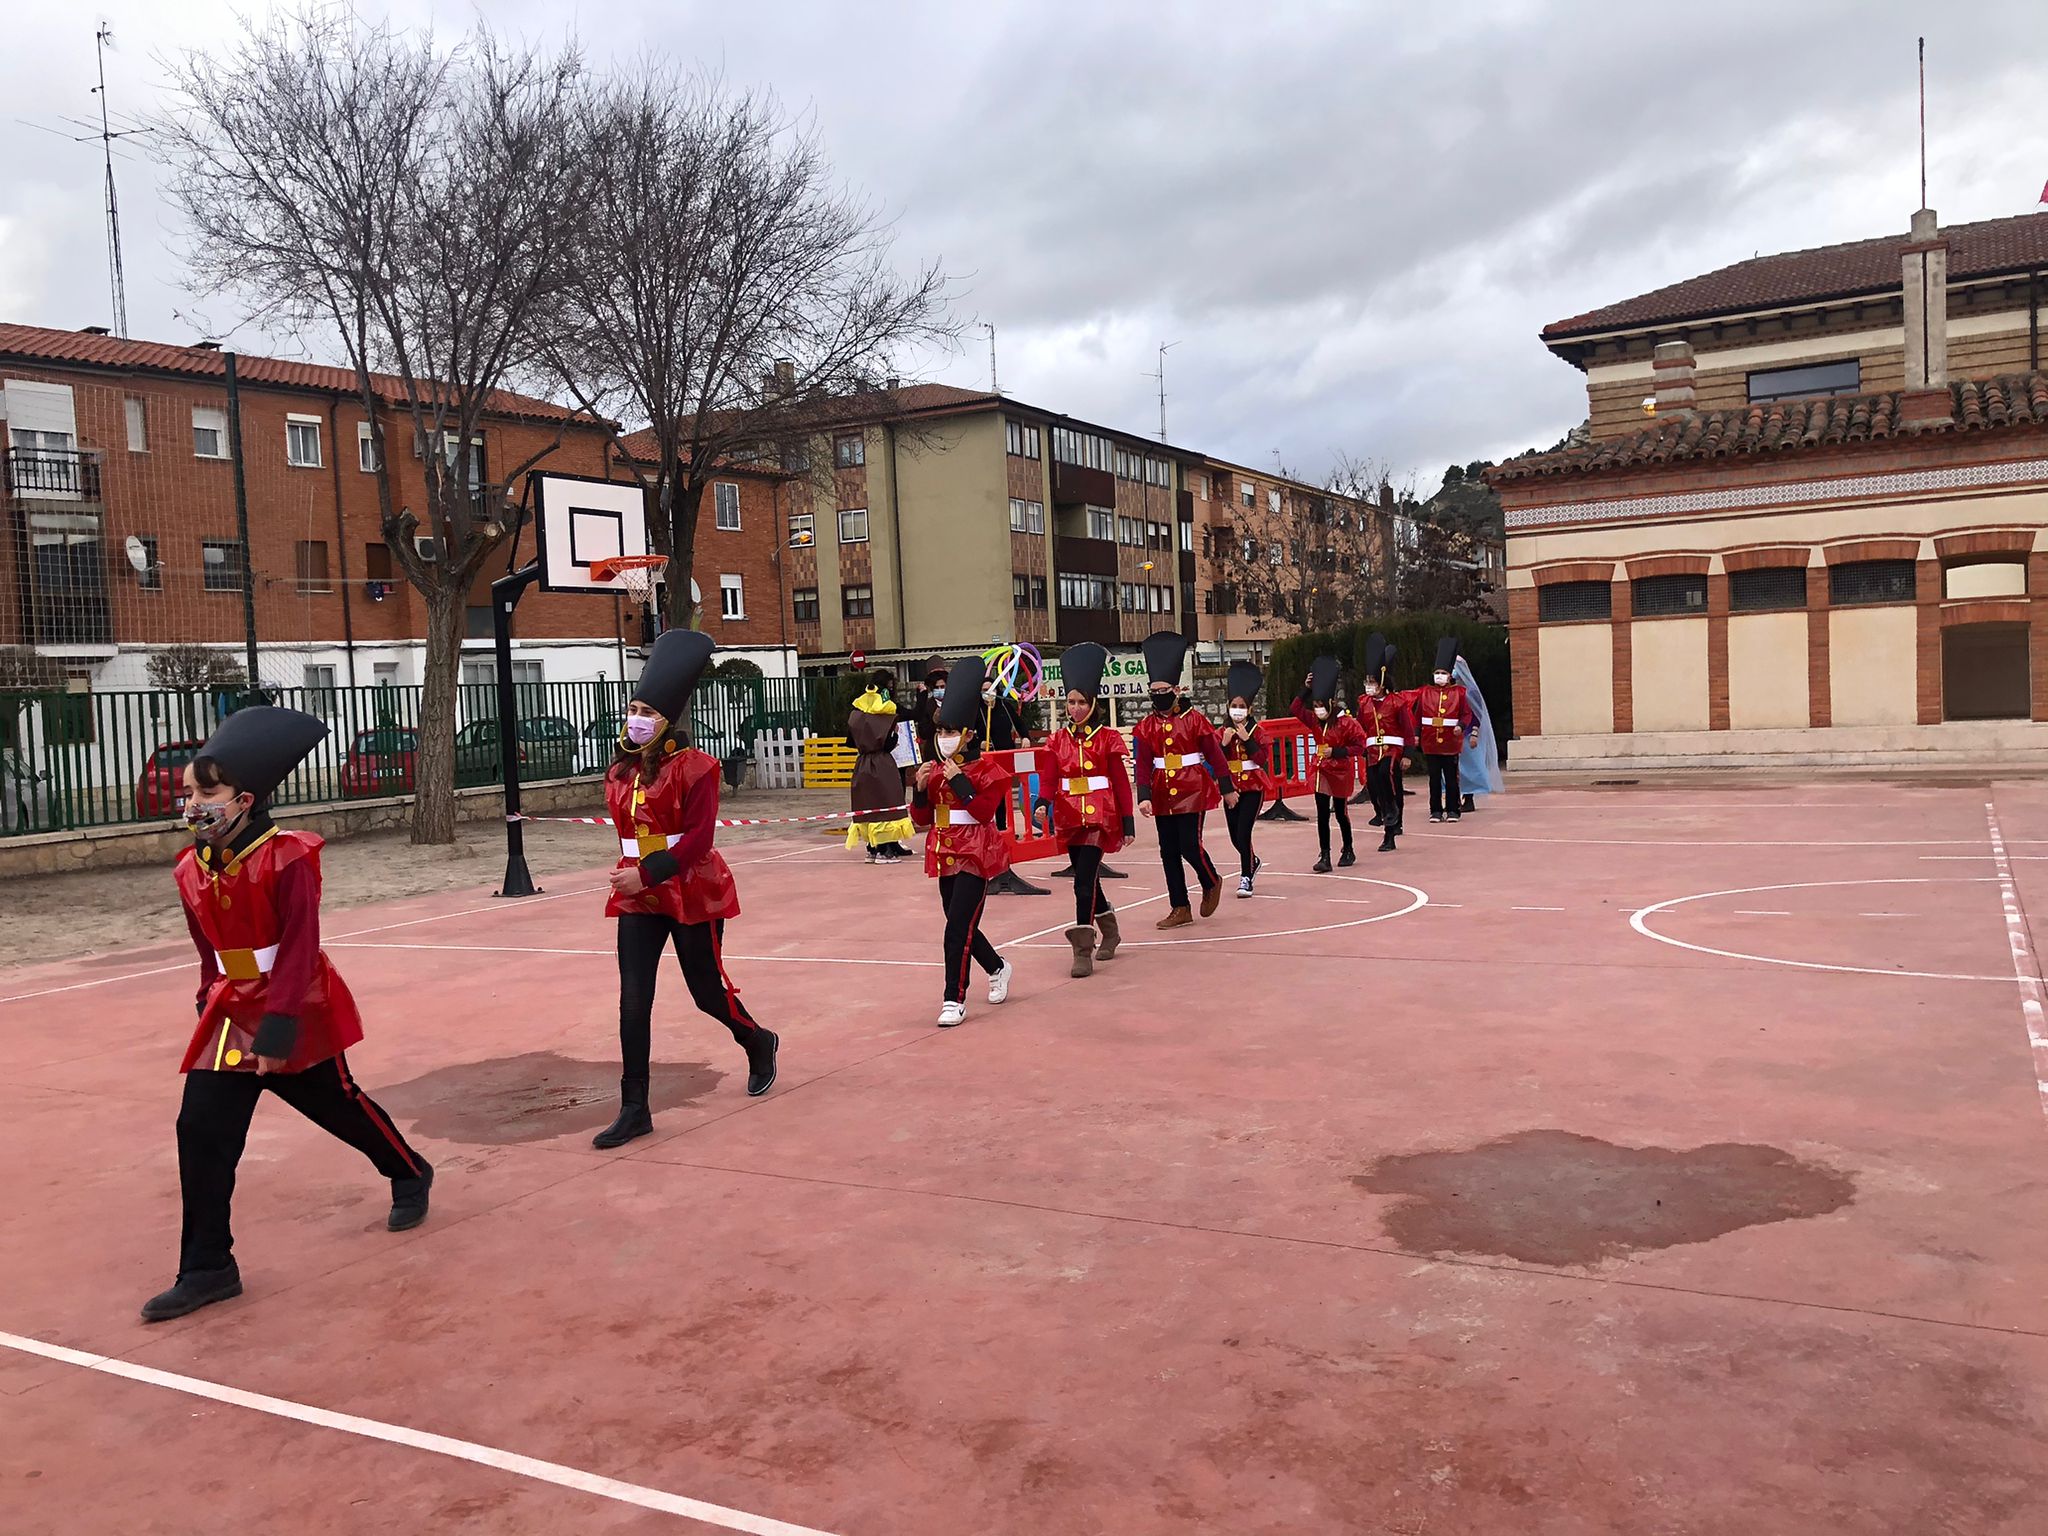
[665, 827]
[1179, 759]
[963, 838]
[1443, 716]
[1340, 746]
[1389, 727]
[1246, 762]
[1089, 785]
[254, 916]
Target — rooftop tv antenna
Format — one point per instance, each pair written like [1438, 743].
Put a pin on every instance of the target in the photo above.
[117, 280]
[1159, 377]
[993, 387]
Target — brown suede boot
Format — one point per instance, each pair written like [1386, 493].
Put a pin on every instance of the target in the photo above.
[1083, 940]
[1111, 936]
[1179, 917]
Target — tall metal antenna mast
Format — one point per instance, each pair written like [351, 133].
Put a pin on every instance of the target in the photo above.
[993, 387]
[117, 280]
[1923, 122]
[1160, 378]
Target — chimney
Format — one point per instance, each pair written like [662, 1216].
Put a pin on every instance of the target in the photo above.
[785, 375]
[1671, 371]
[1923, 274]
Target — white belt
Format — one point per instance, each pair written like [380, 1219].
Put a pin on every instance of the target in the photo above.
[951, 815]
[638, 847]
[1442, 724]
[1079, 786]
[1178, 764]
[265, 958]
[1386, 741]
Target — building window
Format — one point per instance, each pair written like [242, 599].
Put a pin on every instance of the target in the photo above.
[1038, 593]
[1563, 601]
[797, 459]
[1658, 596]
[1020, 592]
[1159, 472]
[302, 441]
[732, 597]
[377, 561]
[1187, 537]
[138, 424]
[1871, 581]
[727, 497]
[1273, 501]
[857, 602]
[853, 525]
[1165, 599]
[1093, 592]
[1276, 553]
[802, 530]
[209, 432]
[1772, 586]
[366, 448]
[320, 695]
[313, 566]
[1247, 493]
[220, 563]
[151, 577]
[1101, 523]
[850, 452]
[1199, 484]
[1127, 532]
[1027, 516]
[804, 605]
[1843, 378]
[1158, 536]
[1021, 440]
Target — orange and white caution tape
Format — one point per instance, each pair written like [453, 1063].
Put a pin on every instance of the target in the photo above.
[737, 821]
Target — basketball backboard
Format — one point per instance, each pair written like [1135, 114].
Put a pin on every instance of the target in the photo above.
[578, 521]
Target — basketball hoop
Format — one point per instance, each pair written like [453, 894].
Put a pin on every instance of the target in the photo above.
[631, 574]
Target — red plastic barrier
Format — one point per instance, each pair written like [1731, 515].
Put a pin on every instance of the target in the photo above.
[1028, 839]
[1290, 756]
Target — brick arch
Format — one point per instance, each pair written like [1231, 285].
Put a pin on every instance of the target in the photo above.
[1572, 570]
[1873, 549]
[1766, 556]
[1987, 610]
[1985, 544]
[1669, 565]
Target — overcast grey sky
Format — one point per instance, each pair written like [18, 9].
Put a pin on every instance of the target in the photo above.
[1352, 219]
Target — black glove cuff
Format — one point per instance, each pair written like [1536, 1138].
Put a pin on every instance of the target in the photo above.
[276, 1034]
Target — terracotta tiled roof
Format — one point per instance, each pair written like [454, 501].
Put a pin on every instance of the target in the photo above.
[1980, 405]
[81, 349]
[2017, 244]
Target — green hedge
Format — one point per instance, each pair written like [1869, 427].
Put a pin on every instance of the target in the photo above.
[1414, 635]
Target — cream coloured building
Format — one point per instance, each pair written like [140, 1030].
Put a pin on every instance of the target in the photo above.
[1807, 518]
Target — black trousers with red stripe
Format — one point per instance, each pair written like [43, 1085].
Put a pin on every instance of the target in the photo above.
[642, 938]
[213, 1127]
[1180, 838]
[963, 897]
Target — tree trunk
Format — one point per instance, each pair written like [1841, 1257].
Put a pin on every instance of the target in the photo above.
[682, 556]
[433, 806]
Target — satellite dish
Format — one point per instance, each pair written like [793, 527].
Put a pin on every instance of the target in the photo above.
[138, 555]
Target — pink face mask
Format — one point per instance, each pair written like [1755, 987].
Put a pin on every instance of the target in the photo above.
[641, 729]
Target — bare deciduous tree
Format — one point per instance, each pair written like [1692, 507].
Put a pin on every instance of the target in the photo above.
[1317, 560]
[368, 189]
[194, 669]
[725, 288]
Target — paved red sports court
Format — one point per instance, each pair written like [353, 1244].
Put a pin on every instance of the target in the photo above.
[1647, 1161]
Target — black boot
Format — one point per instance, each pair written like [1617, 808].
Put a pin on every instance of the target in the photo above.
[1347, 858]
[1387, 842]
[1377, 820]
[1469, 807]
[200, 1288]
[634, 1120]
[409, 1201]
[1321, 865]
[761, 1062]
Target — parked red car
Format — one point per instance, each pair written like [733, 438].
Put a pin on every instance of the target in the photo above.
[380, 762]
[161, 789]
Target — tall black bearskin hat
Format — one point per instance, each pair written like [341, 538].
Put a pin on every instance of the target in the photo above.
[1245, 681]
[1081, 668]
[1447, 653]
[673, 668]
[934, 668]
[1166, 653]
[1379, 656]
[257, 748]
[962, 704]
[1322, 679]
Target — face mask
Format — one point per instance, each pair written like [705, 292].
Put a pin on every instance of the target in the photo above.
[641, 729]
[1162, 702]
[938, 693]
[948, 745]
[1079, 712]
[988, 693]
[1322, 712]
[1443, 677]
[1239, 714]
[208, 819]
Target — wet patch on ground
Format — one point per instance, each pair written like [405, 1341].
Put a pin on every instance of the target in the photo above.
[535, 1096]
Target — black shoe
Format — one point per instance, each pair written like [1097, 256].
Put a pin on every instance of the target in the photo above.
[409, 1201]
[1453, 816]
[1436, 815]
[634, 1120]
[1469, 806]
[1321, 866]
[201, 1288]
[1387, 842]
[1346, 859]
[1377, 821]
[761, 1064]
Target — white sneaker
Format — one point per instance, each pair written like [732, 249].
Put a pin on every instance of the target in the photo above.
[999, 984]
[951, 1014]
[1244, 885]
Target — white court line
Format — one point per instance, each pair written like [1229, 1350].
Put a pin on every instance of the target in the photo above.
[1759, 912]
[1419, 900]
[420, 1440]
[1775, 842]
[535, 949]
[2010, 858]
[1535, 909]
[2024, 969]
[1637, 921]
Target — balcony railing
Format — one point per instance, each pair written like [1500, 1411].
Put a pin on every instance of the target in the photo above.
[62, 473]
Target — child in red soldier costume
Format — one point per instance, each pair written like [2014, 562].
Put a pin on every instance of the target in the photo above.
[1088, 801]
[1245, 755]
[956, 799]
[1179, 760]
[273, 1012]
[671, 886]
[1340, 747]
[1446, 724]
[1389, 730]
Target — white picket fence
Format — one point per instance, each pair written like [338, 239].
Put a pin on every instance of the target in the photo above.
[779, 760]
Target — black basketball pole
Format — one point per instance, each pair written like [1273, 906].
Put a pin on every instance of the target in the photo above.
[505, 594]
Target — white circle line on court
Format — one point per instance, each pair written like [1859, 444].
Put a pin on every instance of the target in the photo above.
[1768, 842]
[1636, 921]
[1419, 900]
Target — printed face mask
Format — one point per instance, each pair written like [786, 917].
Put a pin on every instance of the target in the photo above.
[641, 729]
[207, 817]
[948, 745]
[1443, 677]
[1238, 712]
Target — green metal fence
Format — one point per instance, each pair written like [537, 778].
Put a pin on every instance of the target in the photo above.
[76, 760]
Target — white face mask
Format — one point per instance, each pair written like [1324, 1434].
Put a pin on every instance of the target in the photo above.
[1443, 677]
[1322, 712]
[948, 745]
[1239, 714]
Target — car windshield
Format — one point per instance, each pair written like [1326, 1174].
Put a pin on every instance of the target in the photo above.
[177, 754]
[386, 741]
[546, 728]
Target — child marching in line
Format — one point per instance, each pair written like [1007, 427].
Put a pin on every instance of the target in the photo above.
[273, 1011]
[1340, 745]
[1180, 763]
[1245, 755]
[1446, 725]
[1389, 728]
[1088, 802]
[671, 887]
[957, 797]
